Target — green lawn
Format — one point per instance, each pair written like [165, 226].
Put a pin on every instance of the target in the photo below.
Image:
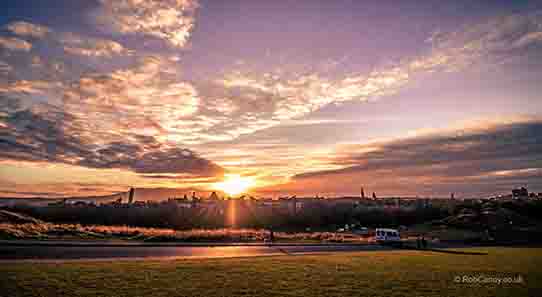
[390, 273]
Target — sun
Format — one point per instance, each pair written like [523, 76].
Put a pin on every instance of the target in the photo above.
[234, 184]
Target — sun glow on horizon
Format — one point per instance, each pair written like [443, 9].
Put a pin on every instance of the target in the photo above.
[235, 184]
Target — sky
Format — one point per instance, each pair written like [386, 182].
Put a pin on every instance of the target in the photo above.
[402, 98]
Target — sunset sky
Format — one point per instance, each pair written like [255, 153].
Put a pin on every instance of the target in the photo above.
[412, 98]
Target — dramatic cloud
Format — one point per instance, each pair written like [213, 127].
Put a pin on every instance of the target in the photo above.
[511, 151]
[15, 44]
[55, 136]
[153, 96]
[148, 97]
[116, 97]
[170, 20]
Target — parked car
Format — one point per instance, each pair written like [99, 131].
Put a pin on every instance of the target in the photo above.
[361, 231]
[388, 236]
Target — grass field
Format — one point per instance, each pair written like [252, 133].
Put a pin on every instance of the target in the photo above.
[389, 273]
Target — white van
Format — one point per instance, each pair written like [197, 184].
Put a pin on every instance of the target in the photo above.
[387, 236]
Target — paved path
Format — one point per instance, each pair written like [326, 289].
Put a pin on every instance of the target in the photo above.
[99, 251]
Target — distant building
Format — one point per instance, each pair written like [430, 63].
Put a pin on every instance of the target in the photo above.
[131, 196]
[140, 204]
[82, 204]
[213, 196]
[520, 193]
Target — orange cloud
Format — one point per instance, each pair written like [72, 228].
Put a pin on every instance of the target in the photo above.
[170, 20]
[15, 44]
[146, 98]
[22, 28]
[91, 47]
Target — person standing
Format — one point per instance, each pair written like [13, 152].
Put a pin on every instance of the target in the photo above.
[271, 236]
[424, 242]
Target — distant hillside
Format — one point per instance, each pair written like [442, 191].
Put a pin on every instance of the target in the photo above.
[41, 201]
[10, 217]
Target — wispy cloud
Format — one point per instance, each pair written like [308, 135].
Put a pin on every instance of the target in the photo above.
[260, 101]
[169, 20]
[496, 41]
